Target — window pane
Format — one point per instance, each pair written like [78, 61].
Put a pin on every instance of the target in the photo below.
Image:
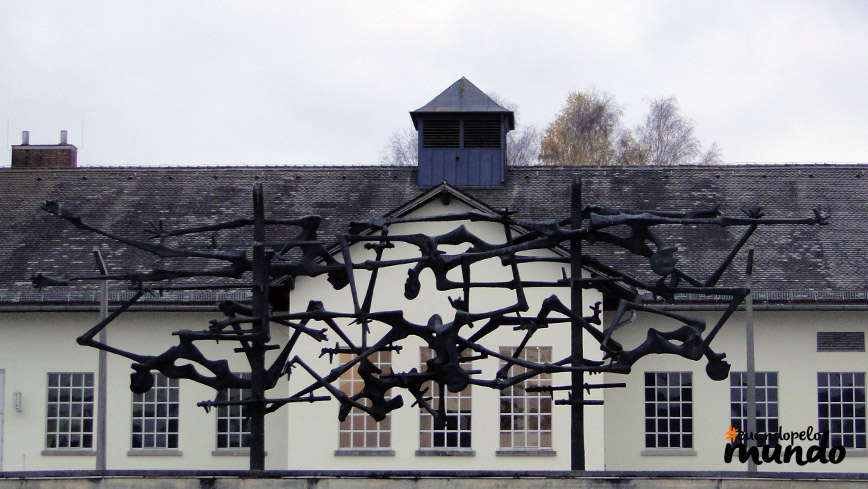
[154, 414]
[455, 433]
[529, 412]
[360, 430]
[231, 428]
[69, 410]
[766, 408]
[668, 412]
[841, 407]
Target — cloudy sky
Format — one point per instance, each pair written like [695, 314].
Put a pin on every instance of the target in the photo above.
[217, 82]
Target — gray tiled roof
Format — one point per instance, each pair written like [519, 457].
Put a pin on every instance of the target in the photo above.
[804, 263]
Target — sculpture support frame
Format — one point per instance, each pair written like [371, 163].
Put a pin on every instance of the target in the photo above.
[577, 394]
[264, 262]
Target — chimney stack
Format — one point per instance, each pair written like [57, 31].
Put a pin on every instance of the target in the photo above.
[26, 155]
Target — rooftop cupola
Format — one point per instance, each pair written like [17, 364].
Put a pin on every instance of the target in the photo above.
[462, 137]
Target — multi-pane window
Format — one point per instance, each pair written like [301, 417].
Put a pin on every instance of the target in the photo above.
[155, 415]
[766, 404]
[668, 410]
[456, 432]
[360, 430]
[841, 407]
[70, 410]
[526, 417]
[233, 423]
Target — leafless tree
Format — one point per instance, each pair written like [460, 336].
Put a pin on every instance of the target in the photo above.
[523, 146]
[711, 156]
[668, 139]
[522, 143]
[402, 150]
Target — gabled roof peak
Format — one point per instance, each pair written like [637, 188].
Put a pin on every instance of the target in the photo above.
[462, 96]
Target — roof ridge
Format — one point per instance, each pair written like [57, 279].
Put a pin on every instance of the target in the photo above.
[341, 166]
[203, 167]
[723, 166]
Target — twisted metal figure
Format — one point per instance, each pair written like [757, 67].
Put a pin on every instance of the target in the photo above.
[452, 344]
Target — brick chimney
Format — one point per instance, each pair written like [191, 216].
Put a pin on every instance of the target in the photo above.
[28, 155]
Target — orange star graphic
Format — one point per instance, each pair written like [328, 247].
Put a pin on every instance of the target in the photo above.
[732, 434]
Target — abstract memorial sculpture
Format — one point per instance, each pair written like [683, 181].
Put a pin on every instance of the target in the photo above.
[456, 337]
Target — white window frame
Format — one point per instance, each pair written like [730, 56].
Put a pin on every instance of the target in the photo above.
[668, 410]
[156, 416]
[457, 434]
[69, 414]
[767, 409]
[841, 408]
[233, 423]
[360, 431]
[526, 417]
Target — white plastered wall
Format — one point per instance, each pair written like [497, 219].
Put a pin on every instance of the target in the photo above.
[37, 343]
[785, 342]
[312, 444]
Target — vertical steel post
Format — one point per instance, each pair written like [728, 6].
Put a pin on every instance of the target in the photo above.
[102, 369]
[751, 367]
[261, 333]
[577, 395]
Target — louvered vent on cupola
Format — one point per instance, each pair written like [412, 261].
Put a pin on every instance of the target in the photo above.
[441, 134]
[462, 138]
[481, 134]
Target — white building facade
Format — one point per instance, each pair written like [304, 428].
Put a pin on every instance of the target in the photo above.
[669, 417]
[810, 289]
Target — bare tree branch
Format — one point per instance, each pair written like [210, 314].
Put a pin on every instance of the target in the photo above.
[402, 149]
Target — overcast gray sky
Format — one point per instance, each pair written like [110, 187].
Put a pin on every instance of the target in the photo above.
[216, 82]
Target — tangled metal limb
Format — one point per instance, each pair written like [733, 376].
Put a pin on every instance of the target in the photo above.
[456, 337]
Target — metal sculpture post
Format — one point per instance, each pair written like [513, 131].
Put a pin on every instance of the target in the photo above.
[751, 362]
[261, 334]
[456, 336]
[577, 393]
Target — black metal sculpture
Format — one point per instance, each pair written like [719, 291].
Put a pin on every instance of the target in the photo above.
[255, 264]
